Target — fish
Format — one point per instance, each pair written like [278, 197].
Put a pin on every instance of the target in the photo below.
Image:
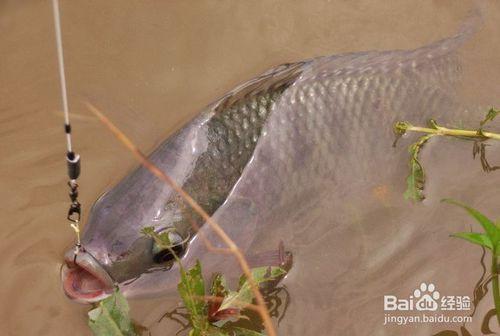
[283, 138]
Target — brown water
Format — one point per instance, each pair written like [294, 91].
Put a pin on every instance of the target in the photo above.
[156, 65]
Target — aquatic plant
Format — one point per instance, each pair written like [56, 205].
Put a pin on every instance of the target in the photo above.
[110, 317]
[415, 181]
[490, 240]
[208, 314]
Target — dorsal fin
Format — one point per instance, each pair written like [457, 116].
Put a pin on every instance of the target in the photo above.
[273, 79]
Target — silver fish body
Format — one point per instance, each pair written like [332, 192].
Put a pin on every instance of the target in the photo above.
[282, 139]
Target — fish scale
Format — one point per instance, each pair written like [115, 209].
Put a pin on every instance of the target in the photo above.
[401, 81]
[231, 142]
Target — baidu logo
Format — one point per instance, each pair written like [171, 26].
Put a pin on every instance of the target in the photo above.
[426, 298]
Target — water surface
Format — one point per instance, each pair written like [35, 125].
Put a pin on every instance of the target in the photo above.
[155, 65]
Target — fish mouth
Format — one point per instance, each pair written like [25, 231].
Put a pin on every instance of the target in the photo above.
[83, 278]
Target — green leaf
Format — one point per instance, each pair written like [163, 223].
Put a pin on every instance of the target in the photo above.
[416, 180]
[489, 227]
[111, 317]
[492, 113]
[161, 239]
[433, 124]
[148, 231]
[263, 274]
[237, 331]
[192, 290]
[245, 295]
[475, 238]
[400, 129]
[219, 286]
[214, 331]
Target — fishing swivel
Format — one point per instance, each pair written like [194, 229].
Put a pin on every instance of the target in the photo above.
[73, 160]
[74, 212]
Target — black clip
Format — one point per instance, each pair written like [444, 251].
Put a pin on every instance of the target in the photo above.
[74, 212]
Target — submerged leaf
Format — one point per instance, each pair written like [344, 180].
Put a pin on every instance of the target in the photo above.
[244, 295]
[111, 317]
[263, 274]
[416, 180]
[491, 229]
[475, 238]
[480, 148]
[192, 288]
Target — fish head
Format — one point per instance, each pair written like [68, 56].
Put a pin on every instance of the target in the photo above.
[114, 249]
[115, 252]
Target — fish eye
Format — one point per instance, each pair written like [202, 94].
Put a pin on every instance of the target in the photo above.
[166, 255]
[163, 255]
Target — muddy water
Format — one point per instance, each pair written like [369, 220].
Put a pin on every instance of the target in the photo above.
[155, 65]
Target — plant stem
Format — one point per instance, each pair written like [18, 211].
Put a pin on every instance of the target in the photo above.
[494, 281]
[455, 132]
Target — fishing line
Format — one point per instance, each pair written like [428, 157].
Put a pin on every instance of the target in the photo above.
[72, 159]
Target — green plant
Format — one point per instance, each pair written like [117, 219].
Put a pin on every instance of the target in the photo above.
[110, 317]
[415, 181]
[490, 240]
[208, 314]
